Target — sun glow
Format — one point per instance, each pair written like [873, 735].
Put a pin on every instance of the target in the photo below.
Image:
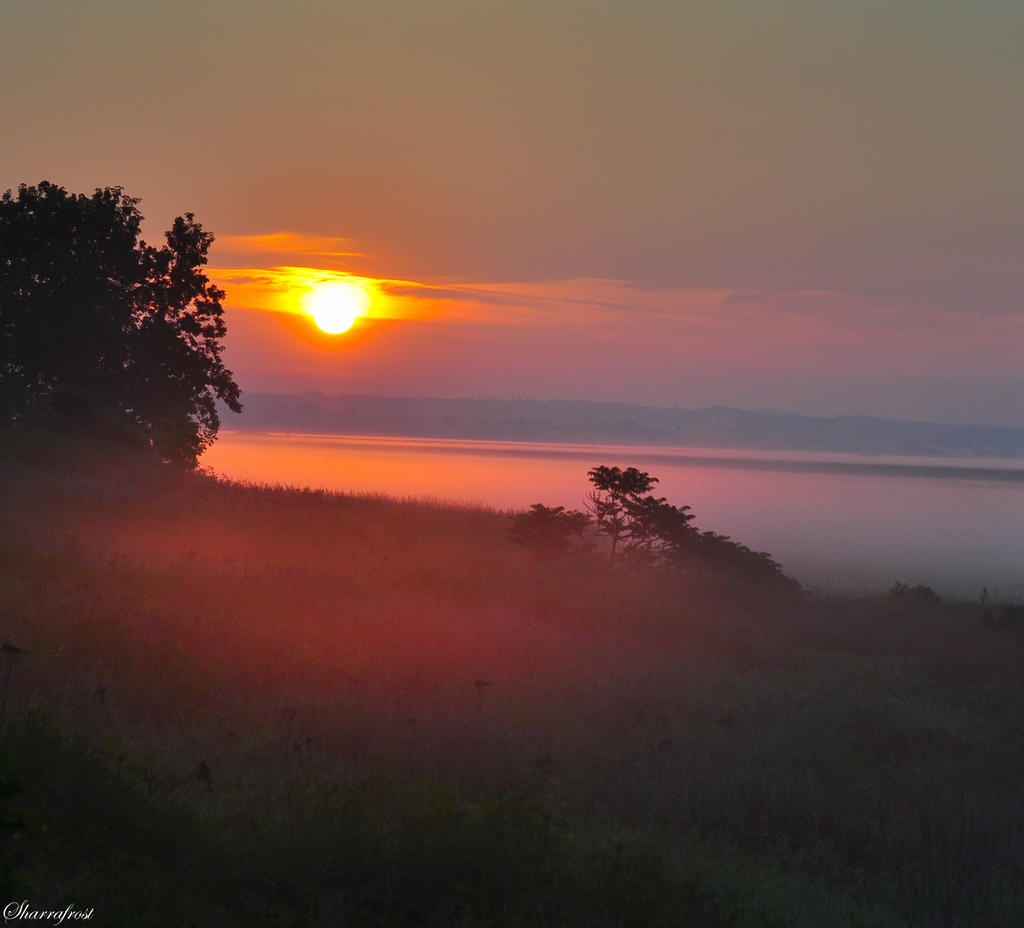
[336, 305]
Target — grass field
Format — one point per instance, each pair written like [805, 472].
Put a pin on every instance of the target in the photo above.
[239, 705]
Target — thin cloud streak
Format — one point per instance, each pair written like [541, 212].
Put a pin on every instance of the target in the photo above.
[553, 303]
[295, 244]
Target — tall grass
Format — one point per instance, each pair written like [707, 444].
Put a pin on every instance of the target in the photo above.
[368, 711]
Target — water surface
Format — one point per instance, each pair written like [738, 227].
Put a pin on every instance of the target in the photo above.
[850, 522]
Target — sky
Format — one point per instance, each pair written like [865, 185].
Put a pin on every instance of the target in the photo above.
[803, 206]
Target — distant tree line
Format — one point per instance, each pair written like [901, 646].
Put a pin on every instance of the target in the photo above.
[630, 527]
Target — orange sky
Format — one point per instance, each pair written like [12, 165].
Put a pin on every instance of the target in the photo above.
[811, 207]
[605, 339]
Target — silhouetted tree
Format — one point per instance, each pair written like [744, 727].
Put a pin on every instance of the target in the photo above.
[646, 531]
[717, 555]
[637, 523]
[550, 531]
[98, 327]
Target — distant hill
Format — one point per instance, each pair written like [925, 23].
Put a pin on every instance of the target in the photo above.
[619, 423]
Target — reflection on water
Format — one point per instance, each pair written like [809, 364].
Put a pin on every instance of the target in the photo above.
[840, 521]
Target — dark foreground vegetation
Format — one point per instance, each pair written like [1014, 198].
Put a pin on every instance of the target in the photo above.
[227, 705]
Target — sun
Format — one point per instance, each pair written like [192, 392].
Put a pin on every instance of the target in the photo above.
[336, 305]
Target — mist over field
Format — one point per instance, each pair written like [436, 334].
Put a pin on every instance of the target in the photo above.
[839, 522]
[377, 712]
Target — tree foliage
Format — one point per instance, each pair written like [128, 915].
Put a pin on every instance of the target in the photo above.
[644, 531]
[638, 525]
[99, 327]
[550, 531]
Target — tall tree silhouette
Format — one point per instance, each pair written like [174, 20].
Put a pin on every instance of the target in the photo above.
[100, 328]
[625, 510]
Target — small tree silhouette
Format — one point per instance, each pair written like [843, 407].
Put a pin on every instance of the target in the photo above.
[550, 531]
[637, 523]
[644, 531]
[719, 555]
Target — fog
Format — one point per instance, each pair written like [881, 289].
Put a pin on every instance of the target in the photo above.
[838, 523]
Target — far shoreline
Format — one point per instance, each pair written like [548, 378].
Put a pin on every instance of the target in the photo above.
[1004, 470]
[559, 421]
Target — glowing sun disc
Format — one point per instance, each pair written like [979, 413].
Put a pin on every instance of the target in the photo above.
[336, 306]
